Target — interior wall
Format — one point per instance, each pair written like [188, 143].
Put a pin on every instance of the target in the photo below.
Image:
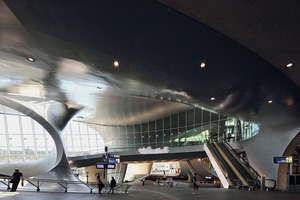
[284, 168]
[92, 171]
[271, 141]
[137, 169]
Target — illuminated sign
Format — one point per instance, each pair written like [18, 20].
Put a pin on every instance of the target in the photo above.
[105, 166]
[283, 159]
[111, 166]
[113, 160]
[100, 166]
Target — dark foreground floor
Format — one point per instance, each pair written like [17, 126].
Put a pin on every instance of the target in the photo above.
[152, 192]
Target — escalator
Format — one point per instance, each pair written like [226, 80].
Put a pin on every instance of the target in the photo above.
[247, 178]
[230, 167]
[224, 172]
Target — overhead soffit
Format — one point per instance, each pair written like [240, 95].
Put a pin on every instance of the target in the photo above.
[269, 28]
[160, 50]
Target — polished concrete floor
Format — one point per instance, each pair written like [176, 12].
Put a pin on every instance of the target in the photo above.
[151, 192]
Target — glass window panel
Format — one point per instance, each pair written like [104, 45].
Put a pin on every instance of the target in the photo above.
[82, 128]
[137, 128]
[174, 121]
[2, 124]
[152, 126]
[190, 117]
[167, 138]
[130, 139]
[182, 119]
[152, 139]
[13, 124]
[214, 117]
[26, 124]
[28, 141]
[85, 143]
[206, 117]
[145, 128]
[182, 135]
[76, 141]
[198, 116]
[130, 129]
[74, 127]
[145, 139]
[15, 142]
[167, 122]
[122, 136]
[3, 142]
[160, 138]
[137, 136]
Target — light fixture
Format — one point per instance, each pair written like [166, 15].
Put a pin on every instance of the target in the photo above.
[270, 101]
[30, 59]
[116, 63]
[212, 98]
[289, 65]
[202, 64]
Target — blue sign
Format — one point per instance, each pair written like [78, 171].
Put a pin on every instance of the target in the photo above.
[112, 160]
[283, 159]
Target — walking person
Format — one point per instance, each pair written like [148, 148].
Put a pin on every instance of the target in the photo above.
[195, 185]
[100, 184]
[15, 179]
[112, 185]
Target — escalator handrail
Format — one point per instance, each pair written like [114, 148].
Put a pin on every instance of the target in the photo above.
[237, 164]
[255, 172]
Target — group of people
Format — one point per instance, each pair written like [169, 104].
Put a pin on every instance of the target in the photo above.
[101, 185]
[18, 176]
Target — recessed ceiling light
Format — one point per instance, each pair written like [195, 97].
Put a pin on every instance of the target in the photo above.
[202, 64]
[30, 59]
[116, 63]
[289, 65]
[270, 101]
[213, 98]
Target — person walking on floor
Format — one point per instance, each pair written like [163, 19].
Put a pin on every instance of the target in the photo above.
[195, 185]
[112, 185]
[100, 184]
[15, 180]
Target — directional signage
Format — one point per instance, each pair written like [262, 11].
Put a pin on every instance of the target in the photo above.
[105, 166]
[283, 159]
[112, 160]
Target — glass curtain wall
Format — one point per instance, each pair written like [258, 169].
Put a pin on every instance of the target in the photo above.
[21, 138]
[192, 127]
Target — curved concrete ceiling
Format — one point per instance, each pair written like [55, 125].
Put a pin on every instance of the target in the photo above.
[64, 51]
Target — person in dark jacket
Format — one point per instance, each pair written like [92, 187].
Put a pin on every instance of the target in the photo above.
[195, 185]
[100, 184]
[112, 185]
[15, 180]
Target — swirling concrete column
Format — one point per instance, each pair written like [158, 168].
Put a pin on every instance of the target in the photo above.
[59, 167]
